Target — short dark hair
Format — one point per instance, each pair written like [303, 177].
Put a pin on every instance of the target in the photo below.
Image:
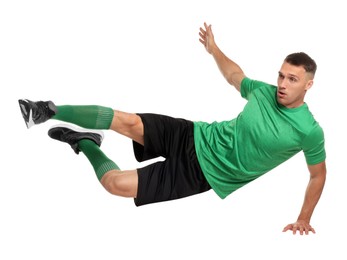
[302, 59]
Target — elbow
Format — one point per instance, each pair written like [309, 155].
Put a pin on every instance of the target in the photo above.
[235, 79]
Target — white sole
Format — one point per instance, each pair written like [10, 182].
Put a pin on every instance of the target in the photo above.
[81, 130]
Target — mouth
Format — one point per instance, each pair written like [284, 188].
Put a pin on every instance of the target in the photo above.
[281, 94]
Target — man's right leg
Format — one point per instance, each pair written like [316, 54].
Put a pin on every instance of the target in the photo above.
[87, 116]
[92, 117]
[129, 125]
[114, 180]
[36, 112]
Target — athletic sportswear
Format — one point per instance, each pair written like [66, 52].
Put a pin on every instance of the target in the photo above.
[264, 135]
[71, 135]
[36, 112]
[179, 175]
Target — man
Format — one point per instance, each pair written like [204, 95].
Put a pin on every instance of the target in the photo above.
[274, 125]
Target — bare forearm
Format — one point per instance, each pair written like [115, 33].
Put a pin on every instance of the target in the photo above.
[312, 196]
[313, 193]
[229, 69]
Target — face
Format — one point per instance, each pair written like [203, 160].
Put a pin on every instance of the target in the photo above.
[293, 82]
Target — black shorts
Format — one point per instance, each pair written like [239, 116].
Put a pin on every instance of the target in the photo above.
[179, 175]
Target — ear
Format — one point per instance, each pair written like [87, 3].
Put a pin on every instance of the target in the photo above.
[309, 84]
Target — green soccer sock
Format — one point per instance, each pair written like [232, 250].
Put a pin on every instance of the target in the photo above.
[100, 162]
[92, 117]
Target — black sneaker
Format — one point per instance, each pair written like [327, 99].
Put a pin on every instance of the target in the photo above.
[72, 135]
[36, 112]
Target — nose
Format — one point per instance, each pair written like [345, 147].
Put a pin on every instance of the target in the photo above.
[282, 84]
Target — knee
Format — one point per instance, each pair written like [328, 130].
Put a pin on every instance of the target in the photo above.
[126, 120]
[115, 183]
[129, 125]
[111, 183]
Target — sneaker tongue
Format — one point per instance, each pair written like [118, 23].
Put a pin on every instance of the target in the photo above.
[52, 108]
[43, 111]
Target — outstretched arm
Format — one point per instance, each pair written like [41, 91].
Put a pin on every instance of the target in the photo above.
[312, 195]
[229, 69]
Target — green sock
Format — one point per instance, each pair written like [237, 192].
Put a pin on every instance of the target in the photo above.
[92, 117]
[100, 162]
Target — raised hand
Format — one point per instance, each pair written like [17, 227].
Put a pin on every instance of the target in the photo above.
[207, 38]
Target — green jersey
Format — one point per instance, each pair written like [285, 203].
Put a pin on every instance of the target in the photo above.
[264, 135]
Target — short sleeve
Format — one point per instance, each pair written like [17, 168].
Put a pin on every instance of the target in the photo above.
[249, 85]
[314, 146]
[246, 87]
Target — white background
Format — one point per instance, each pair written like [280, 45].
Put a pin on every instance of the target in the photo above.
[144, 56]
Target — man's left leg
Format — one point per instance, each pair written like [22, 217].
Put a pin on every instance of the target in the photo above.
[115, 181]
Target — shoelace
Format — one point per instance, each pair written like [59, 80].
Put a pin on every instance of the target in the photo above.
[42, 111]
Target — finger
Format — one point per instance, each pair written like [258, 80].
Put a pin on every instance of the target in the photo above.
[310, 229]
[202, 39]
[301, 230]
[307, 230]
[286, 228]
[210, 30]
[294, 230]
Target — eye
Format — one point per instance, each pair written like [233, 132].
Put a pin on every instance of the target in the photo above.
[280, 76]
[292, 79]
